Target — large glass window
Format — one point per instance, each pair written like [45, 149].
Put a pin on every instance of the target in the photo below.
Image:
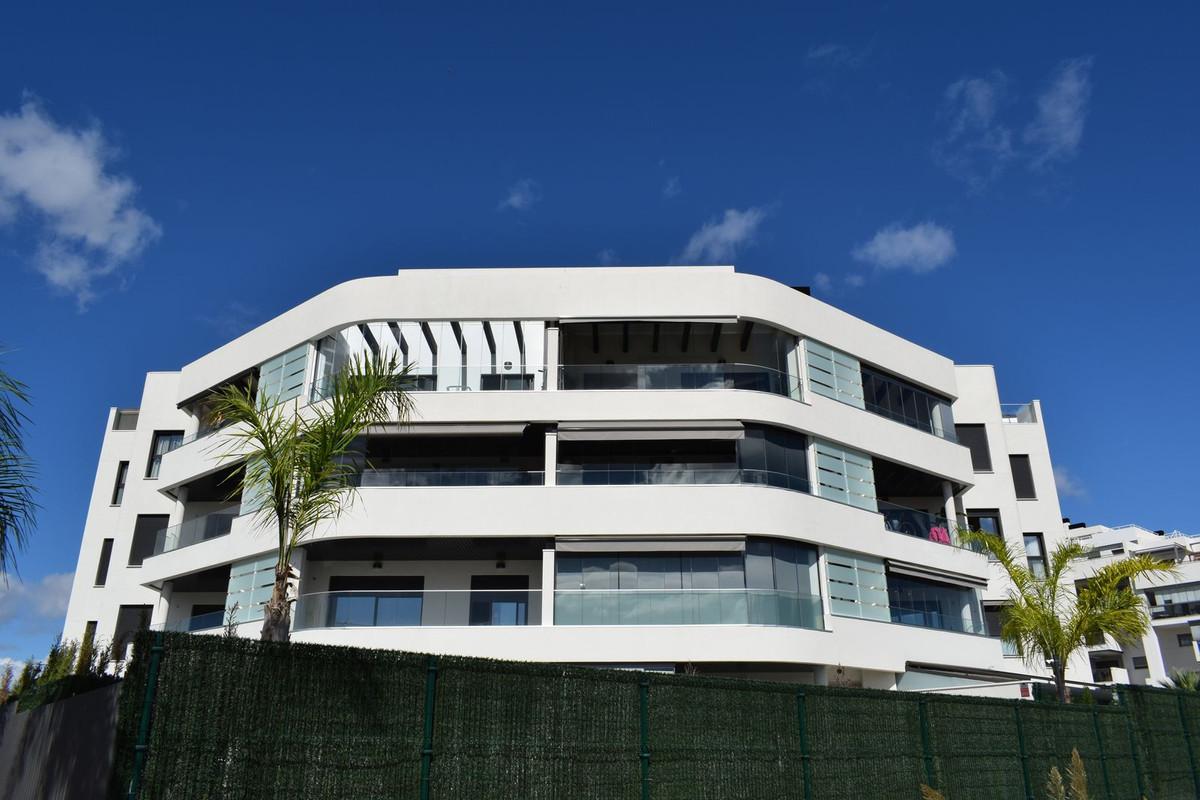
[903, 402]
[974, 437]
[282, 378]
[163, 443]
[147, 530]
[1035, 554]
[499, 600]
[374, 600]
[932, 604]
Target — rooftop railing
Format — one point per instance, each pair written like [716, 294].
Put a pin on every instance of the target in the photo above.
[687, 607]
[751, 377]
[1019, 413]
[680, 474]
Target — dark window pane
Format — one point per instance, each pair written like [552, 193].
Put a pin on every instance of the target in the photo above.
[119, 484]
[105, 558]
[974, 437]
[499, 599]
[145, 533]
[130, 620]
[163, 443]
[1022, 477]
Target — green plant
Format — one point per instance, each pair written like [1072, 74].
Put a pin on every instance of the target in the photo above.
[85, 662]
[1187, 681]
[28, 677]
[1048, 622]
[60, 661]
[17, 506]
[298, 463]
[1077, 777]
[6, 679]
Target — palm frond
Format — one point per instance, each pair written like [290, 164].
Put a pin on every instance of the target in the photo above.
[17, 472]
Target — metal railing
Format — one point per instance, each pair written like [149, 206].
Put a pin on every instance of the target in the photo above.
[451, 378]
[752, 377]
[416, 608]
[681, 474]
[1185, 608]
[1019, 413]
[923, 525]
[448, 477]
[201, 622]
[195, 530]
[687, 607]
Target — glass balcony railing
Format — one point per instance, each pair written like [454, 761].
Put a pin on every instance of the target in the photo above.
[416, 608]
[452, 378]
[922, 525]
[198, 529]
[906, 404]
[687, 607]
[935, 612]
[1179, 608]
[681, 474]
[201, 622]
[1019, 413]
[448, 477]
[751, 377]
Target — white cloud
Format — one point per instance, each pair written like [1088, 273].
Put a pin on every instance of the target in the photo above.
[33, 603]
[672, 188]
[1056, 131]
[837, 55]
[921, 248]
[607, 257]
[1067, 484]
[822, 282]
[88, 225]
[720, 239]
[855, 281]
[977, 146]
[522, 196]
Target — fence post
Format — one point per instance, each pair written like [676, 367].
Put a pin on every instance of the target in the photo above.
[1024, 752]
[1187, 740]
[427, 742]
[142, 747]
[644, 713]
[1100, 746]
[926, 751]
[805, 758]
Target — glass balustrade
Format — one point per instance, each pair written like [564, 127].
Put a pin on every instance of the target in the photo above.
[195, 530]
[687, 607]
[448, 477]
[416, 608]
[923, 525]
[750, 377]
[933, 610]
[682, 474]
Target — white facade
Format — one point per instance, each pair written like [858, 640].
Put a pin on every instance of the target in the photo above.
[1172, 603]
[669, 468]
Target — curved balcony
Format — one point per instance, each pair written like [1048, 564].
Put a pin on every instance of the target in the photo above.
[677, 474]
[448, 477]
[687, 607]
[750, 377]
[417, 608]
[199, 529]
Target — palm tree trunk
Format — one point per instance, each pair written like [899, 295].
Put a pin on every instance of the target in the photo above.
[277, 617]
[1060, 683]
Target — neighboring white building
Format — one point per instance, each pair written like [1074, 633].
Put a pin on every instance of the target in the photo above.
[670, 468]
[1172, 602]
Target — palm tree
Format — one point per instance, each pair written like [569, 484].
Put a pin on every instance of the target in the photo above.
[1188, 681]
[16, 474]
[1049, 622]
[298, 463]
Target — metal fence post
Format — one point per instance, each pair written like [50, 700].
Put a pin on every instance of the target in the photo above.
[142, 747]
[1100, 747]
[644, 713]
[431, 674]
[1024, 752]
[805, 758]
[926, 751]
[1187, 740]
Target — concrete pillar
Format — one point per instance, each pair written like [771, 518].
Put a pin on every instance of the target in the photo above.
[548, 580]
[948, 503]
[1154, 658]
[551, 465]
[552, 348]
[162, 607]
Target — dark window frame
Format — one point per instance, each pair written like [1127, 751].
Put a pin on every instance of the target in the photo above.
[154, 460]
[102, 566]
[1139, 662]
[118, 494]
[1022, 476]
[1183, 639]
[145, 527]
[1039, 559]
[981, 459]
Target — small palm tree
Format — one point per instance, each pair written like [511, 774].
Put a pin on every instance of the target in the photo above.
[298, 464]
[1188, 681]
[17, 506]
[1047, 621]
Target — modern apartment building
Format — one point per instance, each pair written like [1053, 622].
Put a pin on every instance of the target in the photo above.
[1172, 602]
[666, 468]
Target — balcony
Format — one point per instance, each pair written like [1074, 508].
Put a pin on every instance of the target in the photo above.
[902, 402]
[922, 525]
[1182, 608]
[430, 460]
[209, 621]
[926, 610]
[749, 377]
[679, 474]
[198, 529]
[687, 607]
[450, 477]
[419, 608]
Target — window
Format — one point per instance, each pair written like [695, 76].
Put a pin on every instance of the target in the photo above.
[164, 442]
[282, 378]
[206, 616]
[125, 420]
[933, 604]
[846, 476]
[119, 485]
[834, 374]
[899, 400]
[499, 599]
[1139, 662]
[974, 438]
[374, 600]
[986, 520]
[857, 586]
[105, 557]
[130, 620]
[1184, 639]
[1022, 477]
[1035, 554]
[89, 631]
[146, 533]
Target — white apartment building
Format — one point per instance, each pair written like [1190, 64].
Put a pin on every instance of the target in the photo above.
[667, 468]
[1172, 603]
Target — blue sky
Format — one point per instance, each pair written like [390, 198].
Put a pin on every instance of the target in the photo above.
[1015, 185]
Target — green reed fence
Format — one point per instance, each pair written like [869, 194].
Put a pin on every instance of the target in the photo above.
[208, 717]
